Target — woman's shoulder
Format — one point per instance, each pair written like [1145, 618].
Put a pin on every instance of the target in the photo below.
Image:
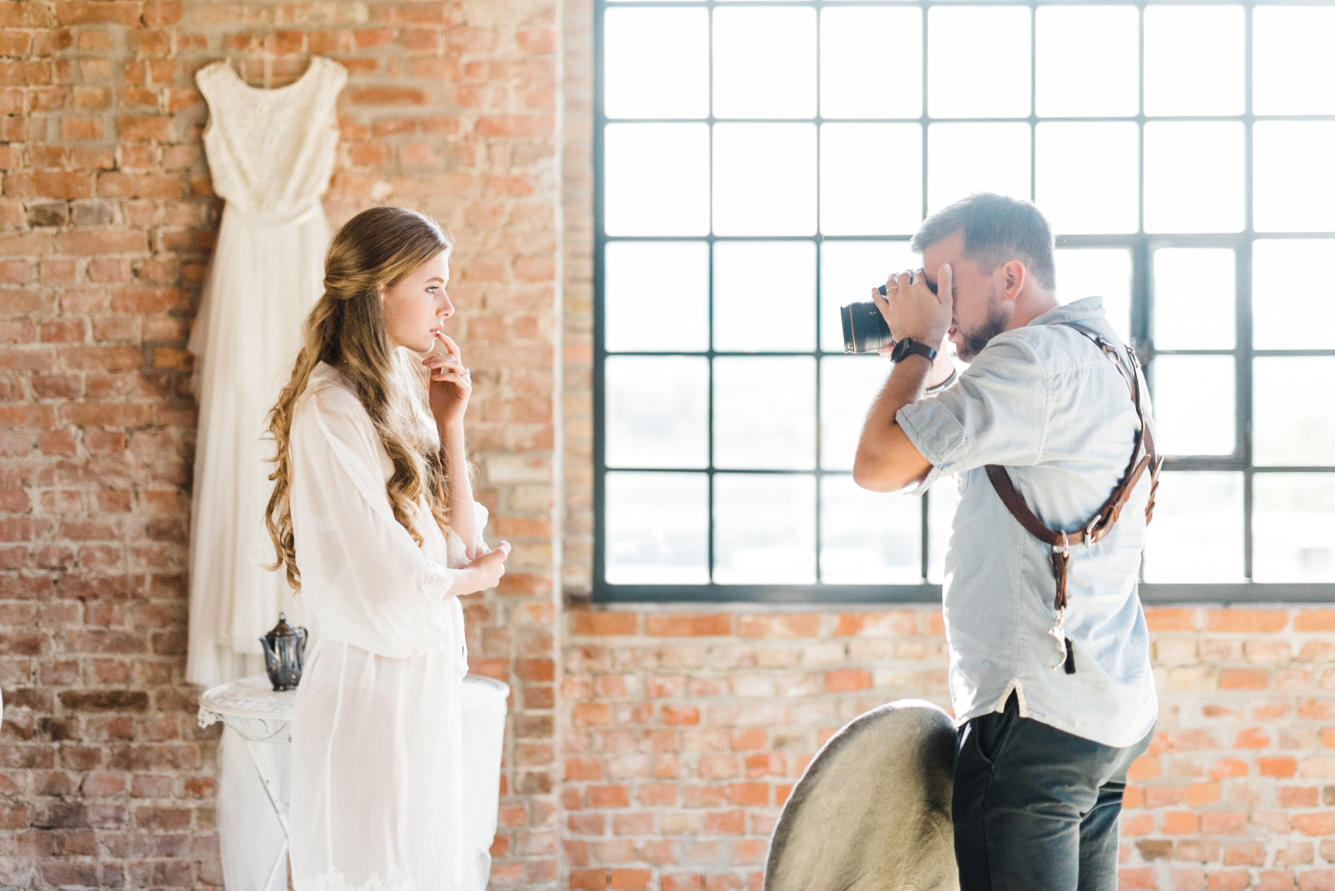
[329, 395]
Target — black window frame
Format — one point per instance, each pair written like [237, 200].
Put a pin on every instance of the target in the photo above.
[1140, 244]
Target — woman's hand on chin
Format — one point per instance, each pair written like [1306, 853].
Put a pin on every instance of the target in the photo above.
[451, 383]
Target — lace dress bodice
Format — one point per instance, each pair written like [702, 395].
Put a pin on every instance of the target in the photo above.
[271, 152]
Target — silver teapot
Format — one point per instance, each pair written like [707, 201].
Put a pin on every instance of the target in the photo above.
[283, 649]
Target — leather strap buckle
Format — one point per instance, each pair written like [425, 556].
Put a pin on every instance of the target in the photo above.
[1101, 523]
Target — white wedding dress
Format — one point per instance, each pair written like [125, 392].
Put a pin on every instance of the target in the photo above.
[385, 790]
[270, 153]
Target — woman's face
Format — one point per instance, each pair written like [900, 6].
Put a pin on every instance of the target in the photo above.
[417, 305]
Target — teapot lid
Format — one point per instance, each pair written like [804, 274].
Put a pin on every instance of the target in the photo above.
[281, 630]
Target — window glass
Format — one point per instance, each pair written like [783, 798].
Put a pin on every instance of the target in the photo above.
[1088, 177]
[858, 78]
[1195, 301]
[1087, 61]
[656, 296]
[1189, 423]
[656, 63]
[870, 179]
[657, 528]
[848, 386]
[1197, 531]
[1292, 422]
[1294, 527]
[1294, 180]
[1193, 177]
[1292, 64]
[656, 179]
[1293, 295]
[656, 411]
[764, 296]
[964, 41]
[764, 528]
[764, 62]
[765, 413]
[764, 179]
[1209, 79]
[967, 158]
[868, 539]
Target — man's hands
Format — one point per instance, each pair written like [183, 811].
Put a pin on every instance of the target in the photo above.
[911, 309]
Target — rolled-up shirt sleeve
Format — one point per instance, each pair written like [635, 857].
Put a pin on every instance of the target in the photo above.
[996, 413]
[378, 585]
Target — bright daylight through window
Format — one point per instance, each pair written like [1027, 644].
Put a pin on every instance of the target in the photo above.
[761, 164]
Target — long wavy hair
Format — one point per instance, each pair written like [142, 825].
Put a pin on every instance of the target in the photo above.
[346, 330]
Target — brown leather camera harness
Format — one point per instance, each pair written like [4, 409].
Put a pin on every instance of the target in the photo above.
[1143, 456]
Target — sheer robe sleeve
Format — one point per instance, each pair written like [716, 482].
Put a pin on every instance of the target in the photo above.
[375, 587]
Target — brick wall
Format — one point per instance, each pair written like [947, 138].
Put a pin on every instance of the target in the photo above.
[685, 731]
[107, 220]
[648, 747]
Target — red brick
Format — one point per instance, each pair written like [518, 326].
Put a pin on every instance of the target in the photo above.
[605, 623]
[847, 680]
[676, 625]
[1244, 679]
[796, 625]
[62, 184]
[609, 796]
[1318, 620]
[381, 96]
[1316, 824]
[1253, 621]
[1283, 767]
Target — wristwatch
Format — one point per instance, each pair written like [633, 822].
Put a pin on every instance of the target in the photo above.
[910, 347]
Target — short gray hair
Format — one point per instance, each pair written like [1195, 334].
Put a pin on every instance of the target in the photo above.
[996, 228]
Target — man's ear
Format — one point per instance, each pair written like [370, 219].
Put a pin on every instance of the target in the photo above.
[1013, 277]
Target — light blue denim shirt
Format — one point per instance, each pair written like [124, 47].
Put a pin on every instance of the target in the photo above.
[1044, 402]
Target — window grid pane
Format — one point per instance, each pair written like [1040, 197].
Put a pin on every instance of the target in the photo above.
[1179, 183]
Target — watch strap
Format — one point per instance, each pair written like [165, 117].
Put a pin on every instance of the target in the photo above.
[909, 347]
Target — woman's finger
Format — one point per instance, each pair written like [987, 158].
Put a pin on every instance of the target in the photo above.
[451, 347]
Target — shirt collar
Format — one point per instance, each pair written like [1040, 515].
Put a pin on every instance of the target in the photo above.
[1075, 311]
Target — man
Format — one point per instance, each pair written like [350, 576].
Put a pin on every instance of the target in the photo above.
[1052, 705]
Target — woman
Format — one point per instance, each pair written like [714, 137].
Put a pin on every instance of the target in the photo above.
[373, 518]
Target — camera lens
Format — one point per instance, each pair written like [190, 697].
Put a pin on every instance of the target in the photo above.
[865, 330]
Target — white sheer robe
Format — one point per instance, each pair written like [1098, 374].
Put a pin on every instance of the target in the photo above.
[378, 768]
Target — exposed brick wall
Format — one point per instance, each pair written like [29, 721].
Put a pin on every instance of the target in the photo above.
[686, 731]
[107, 221]
[648, 747]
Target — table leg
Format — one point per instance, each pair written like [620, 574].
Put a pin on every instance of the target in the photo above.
[277, 864]
[279, 806]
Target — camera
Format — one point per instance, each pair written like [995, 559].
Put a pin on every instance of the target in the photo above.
[865, 330]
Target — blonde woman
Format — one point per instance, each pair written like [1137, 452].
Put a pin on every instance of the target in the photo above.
[373, 519]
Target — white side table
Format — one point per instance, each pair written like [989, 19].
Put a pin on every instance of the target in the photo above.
[258, 715]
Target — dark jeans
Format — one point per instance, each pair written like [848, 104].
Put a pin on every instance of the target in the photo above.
[1035, 809]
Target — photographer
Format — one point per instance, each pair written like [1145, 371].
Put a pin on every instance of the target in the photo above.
[1049, 654]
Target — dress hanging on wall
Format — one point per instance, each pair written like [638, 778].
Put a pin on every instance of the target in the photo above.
[271, 154]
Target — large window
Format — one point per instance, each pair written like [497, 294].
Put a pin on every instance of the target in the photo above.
[761, 163]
